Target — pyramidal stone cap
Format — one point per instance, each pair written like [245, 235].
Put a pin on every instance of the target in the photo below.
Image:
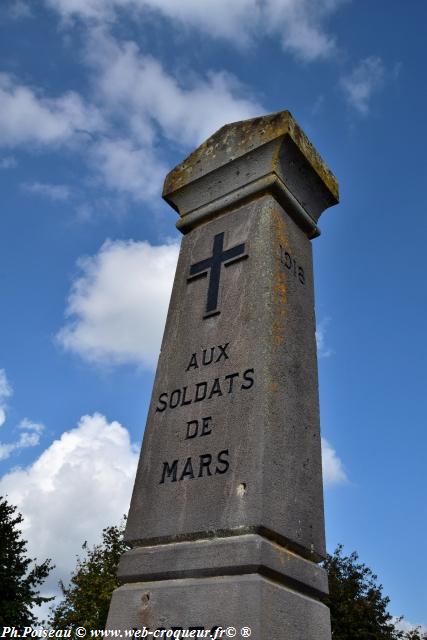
[247, 159]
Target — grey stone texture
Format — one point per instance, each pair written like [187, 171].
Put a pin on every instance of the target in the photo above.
[226, 518]
[271, 155]
[270, 429]
[269, 610]
[241, 555]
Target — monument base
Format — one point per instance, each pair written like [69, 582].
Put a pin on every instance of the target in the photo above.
[227, 606]
[236, 582]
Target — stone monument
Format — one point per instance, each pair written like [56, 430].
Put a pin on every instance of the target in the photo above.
[226, 519]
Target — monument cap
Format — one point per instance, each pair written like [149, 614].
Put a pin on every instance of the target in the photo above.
[268, 154]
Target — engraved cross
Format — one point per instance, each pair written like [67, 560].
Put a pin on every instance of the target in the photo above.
[213, 265]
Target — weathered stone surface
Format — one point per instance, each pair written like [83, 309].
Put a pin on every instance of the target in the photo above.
[265, 418]
[268, 609]
[226, 518]
[239, 138]
[235, 555]
[270, 154]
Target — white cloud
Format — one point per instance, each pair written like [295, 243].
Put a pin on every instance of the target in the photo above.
[30, 425]
[5, 388]
[26, 439]
[31, 430]
[28, 117]
[135, 103]
[117, 307]
[333, 469]
[365, 80]
[29, 438]
[19, 9]
[2, 416]
[404, 625]
[78, 485]
[138, 87]
[86, 9]
[149, 103]
[323, 351]
[8, 162]
[128, 168]
[299, 24]
[218, 19]
[5, 392]
[52, 191]
[5, 450]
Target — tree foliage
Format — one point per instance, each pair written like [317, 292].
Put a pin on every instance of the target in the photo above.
[20, 577]
[87, 598]
[415, 634]
[359, 610]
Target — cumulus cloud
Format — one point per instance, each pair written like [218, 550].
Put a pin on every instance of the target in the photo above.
[365, 79]
[149, 98]
[299, 24]
[29, 117]
[128, 168]
[117, 306]
[218, 19]
[135, 104]
[149, 103]
[5, 392]
[78, 485]
[59, 192]
[333, 469]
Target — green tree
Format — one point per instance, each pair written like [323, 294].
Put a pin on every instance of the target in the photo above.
[87, 598]
[415, 634]
[359, 610]
[20, 577]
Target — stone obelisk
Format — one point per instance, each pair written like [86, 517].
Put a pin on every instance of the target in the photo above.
[226, 519]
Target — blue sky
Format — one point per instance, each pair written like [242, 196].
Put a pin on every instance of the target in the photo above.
[98, 100]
